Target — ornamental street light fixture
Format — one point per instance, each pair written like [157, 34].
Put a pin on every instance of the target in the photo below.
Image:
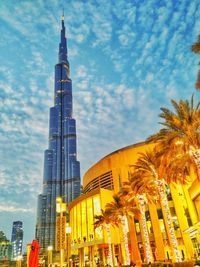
[49, 249]
[68, 232]
[60, 228]
[19, 261]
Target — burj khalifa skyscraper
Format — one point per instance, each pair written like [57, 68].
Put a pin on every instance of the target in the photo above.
[61, 169]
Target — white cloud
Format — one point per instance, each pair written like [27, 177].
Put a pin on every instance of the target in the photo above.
[12, 209]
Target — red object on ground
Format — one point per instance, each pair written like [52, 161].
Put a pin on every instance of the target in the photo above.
[33, 257]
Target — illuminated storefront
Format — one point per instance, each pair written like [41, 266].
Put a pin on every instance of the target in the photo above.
[88, 245]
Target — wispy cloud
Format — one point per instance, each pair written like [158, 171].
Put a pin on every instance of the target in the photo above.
[4, 207]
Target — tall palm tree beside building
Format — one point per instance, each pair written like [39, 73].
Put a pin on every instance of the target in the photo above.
[105, 220]
[122, 209]
[149, 166]
[196, 49]
[177, 169]
[181, 131]
[142, 193]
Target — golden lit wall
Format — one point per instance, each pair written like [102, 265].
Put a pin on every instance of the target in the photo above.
[116, 163]
[82, 212]
[184, 203]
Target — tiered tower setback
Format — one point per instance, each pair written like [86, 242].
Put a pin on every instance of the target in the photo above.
[61, 168]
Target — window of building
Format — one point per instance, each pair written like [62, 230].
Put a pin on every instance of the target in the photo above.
[84, 221]
[174, 218]
[161, 220]
[148, 221]
[97, 211]
[168, 193]
[96, 205]
[137, 226]
[90, 219]
[78, 210]
[187, 214]
[184, 204]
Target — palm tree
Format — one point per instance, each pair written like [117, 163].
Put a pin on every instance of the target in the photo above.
[181, 132]
[196, 49]
[106, 221]
[196, 46]
[177, 169]
[150, 168]
[144, 192]
[122, 209]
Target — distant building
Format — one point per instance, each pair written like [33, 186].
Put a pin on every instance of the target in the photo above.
[5, 247]
[2, 236]
[17, 239]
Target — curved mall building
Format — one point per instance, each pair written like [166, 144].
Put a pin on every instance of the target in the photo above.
[89, 246]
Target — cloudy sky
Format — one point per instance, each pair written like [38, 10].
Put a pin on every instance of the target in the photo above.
[128, 58]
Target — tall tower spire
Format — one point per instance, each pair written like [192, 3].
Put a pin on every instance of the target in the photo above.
[61, 168]
[63, 43]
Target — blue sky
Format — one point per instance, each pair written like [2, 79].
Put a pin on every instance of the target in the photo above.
[128, 58]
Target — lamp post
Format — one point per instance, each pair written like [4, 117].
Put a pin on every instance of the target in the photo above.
[19, 261]
[49, 249]
[68, 232]
[60, 228]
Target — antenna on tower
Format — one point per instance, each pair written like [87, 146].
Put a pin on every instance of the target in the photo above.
[63, 13]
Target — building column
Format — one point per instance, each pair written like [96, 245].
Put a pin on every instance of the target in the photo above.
[160, 248]
[81, 257]
[182, 222]
[113, 255]
[91, 256]
[190, 205]
[135, 254]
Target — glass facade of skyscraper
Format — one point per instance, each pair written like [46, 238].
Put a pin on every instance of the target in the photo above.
[61, 168]
[17, 239]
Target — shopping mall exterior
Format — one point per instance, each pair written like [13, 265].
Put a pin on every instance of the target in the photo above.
[89, 246]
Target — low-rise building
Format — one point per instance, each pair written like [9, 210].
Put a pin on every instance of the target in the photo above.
[89, 246]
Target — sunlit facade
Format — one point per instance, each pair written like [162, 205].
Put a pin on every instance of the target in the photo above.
[89, 246]
[61, 168]
[5, 248]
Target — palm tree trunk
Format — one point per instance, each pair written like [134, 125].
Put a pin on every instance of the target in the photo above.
[125, 239]
[110, 255]
[147, 246]
[165, 205]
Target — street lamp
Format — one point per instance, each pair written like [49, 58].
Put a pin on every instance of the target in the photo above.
[19, 261]
[49, 249]
[68, 232]
[60, 228]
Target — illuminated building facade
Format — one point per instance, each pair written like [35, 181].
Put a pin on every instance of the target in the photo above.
[5, 247]
[61, 168]
[17, 239]
[107, 177]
